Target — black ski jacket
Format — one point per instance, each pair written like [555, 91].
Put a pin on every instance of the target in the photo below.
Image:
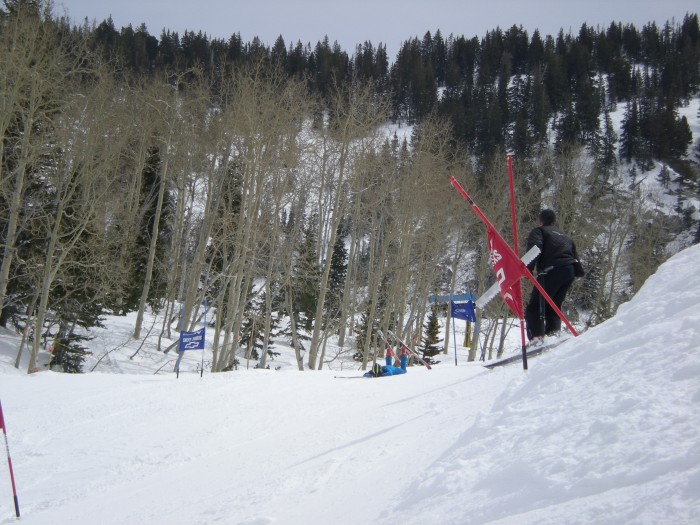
[556, 248]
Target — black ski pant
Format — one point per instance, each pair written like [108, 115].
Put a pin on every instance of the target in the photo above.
[541, 319]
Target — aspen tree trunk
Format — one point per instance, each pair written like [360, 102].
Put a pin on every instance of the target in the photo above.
[151, 250]
[242, 268]
[198, 265]
[28, 329]
[216, 349]
[475, 341]
[293, 326]
[323, 285]
[377, 264]
[459, 248]
[354, 117]
[504, 332]
[267, 322]
[336, 215]
[349, 277]
[268, 289]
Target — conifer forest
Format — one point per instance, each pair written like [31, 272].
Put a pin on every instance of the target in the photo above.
[302, 191]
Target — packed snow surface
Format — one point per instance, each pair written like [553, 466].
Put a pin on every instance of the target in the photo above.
[605, 428]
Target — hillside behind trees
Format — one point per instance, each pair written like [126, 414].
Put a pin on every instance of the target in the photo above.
[279, 182]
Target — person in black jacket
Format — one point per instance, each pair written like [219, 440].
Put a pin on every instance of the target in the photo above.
[555, 272]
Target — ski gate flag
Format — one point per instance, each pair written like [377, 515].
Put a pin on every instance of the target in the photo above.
[508, 267]
[508, 271]
[9, 461]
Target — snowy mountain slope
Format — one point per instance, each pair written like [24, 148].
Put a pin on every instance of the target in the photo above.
[605, 429]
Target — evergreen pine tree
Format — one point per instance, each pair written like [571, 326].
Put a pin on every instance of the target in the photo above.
[138, 258]
[67, 352]
[521, 137]
[253, 328]
[555, 79]
[336, 278]
[538, 109]
[568, 129]
[587, 110]
[431, 337]
[605, 153]
[306, 277]
[630, 135]
[361, 333]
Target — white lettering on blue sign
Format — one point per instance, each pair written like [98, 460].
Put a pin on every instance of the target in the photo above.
[192, 340]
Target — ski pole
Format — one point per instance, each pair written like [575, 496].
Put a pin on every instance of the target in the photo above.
[9, 461]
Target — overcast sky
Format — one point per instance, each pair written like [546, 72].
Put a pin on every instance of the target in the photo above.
[390, 22]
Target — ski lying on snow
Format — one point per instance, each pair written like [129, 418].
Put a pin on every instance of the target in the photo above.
[518, 357]
[349, 377]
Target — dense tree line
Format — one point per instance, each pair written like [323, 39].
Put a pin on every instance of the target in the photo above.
[180, 172]
[499, 91]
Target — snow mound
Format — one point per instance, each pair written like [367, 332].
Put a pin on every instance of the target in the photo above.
[604, 430]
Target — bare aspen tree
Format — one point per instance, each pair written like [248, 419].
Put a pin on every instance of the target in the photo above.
[369, 193]
[615, 226]
[291, 239]
[162, 109]
[380, 240]
[82, 182]
[260, 123]
[167, 109]
[354, 116]
[647, 249]
[281, 182]
[185, 161]
[36, 68]
[424, 191]
[211, 169]
[457, 249]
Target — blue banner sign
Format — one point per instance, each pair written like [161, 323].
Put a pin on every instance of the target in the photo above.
[192, 340]
[464, 311]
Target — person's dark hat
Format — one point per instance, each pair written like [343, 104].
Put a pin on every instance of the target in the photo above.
[547, 217]
[377, 370]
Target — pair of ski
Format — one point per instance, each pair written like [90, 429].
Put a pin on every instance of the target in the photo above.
[403, 345]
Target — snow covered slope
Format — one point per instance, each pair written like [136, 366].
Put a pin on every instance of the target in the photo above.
[604, 429]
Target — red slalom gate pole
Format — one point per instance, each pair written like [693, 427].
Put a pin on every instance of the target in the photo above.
[523, 268]
[514, 221]
[9, 461]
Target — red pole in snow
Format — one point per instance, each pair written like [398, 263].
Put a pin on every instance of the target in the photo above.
[9, 461]
[519, 288]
